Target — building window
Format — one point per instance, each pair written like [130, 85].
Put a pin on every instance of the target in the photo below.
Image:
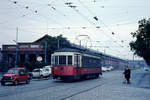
[34, 46]
[22, 57]
[32, 57]
[23, 46]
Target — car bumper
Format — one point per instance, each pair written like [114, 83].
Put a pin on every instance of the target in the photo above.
[5, 81]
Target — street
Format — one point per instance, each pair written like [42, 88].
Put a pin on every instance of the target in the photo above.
[107, 87]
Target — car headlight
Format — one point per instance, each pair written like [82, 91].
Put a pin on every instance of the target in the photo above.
[12, 77]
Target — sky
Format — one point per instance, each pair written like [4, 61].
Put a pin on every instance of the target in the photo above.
[102, 25]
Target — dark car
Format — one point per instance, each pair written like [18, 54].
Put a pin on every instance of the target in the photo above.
[15, 76]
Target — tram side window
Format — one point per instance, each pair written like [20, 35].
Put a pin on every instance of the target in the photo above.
[77, 60]
[90, 62]
[53, 60]
[69, 60]
[62, 60]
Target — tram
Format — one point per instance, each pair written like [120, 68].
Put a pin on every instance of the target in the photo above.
[74, 64]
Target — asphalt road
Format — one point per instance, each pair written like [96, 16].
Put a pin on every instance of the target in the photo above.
[49, 89]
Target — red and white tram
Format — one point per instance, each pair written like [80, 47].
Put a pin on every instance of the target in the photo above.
[72, 64]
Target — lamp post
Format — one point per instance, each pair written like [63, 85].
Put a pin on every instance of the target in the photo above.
[58, 45]
[45, 57]
[16, 41]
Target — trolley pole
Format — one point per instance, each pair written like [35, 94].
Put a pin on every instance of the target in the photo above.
[16, 47]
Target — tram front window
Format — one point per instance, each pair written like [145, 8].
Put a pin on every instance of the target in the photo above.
[62, 60]
[56, 60]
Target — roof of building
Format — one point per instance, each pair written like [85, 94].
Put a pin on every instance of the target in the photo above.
[45, 36]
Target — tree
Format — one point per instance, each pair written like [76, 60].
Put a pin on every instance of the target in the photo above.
[141, 45]
[54, 43]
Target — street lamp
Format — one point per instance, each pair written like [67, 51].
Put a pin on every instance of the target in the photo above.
[16, 41]
[16, 53]
[45, 57]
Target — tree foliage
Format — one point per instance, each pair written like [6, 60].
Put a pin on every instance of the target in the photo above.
[54, 43]
[141, 45]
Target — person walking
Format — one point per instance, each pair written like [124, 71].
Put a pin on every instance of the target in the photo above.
[127, 74]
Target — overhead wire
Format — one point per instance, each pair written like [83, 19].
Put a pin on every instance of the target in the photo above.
[95, 17]
[97, 20]
[82, 15]
[59, 12]
[35, 11]
[73, 7]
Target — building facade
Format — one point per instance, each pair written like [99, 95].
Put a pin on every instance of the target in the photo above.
[21, 53]
[137, 63]
[26, 54]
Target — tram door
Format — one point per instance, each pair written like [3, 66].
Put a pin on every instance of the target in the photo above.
[77, 62]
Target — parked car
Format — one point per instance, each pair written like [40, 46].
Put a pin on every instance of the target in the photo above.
[146, 68]
[15, 76]
[107, 68]
[111, 67]
[41, 72]
[104, 69]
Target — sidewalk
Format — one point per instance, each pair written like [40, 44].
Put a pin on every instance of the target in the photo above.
[116, 90]
[144, 82]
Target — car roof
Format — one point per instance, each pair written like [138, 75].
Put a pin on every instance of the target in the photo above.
[18, 68]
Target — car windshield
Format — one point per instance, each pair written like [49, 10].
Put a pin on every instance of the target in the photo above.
[36, 70]
[13, 71]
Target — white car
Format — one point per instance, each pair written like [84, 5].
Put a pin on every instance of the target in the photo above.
[146, 68]
[104, 69]
[109, 68]
[41, 72]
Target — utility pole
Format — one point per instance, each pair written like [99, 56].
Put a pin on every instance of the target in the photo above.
[16, 46]
[45, 57]
[104, 57]
[57, 42]
[133, 61]
[80, 43]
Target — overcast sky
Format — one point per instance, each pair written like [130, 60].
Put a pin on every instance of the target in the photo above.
[74, 19]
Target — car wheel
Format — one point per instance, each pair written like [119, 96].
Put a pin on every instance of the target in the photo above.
[27, 81]
[48, 77]
[41, 76]
[16, 82]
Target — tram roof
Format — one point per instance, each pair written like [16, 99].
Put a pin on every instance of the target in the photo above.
[78, 50]
[87, 51]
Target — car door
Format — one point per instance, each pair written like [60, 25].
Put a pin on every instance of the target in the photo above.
[23, 75]
[47, 71]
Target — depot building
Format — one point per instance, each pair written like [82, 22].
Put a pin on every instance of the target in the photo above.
[24, 52]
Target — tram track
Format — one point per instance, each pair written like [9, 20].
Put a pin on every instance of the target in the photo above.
[86, 90]
[74, 87]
